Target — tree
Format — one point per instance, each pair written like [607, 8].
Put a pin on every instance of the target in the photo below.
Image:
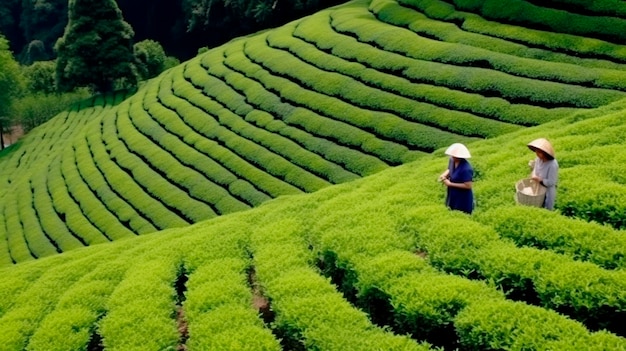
[40, 77]
[10, 85]
[96, 50]
[150, 58]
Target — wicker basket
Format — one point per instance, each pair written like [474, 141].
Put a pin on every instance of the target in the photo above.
[530, 193]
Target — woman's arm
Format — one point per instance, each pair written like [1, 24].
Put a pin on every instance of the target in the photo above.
[552, 175]
[464, 185]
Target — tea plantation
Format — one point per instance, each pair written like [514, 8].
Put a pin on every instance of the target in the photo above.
[287, 181]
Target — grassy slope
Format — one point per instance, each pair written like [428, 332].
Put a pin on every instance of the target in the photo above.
[324, 100]
[357, 224]
[362, 234]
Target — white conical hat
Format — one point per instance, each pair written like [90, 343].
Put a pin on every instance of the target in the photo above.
[458, 150]
[542, 144]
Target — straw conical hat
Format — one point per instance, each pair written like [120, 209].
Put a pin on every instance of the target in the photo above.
[542, 144]
[458, 150]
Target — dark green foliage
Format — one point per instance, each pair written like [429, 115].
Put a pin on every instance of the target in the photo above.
[10, 79]
[33, 110]
[42, 23]
[40, 77]
[10, 86]
[151, 58]
[96, 48]
[526, 13]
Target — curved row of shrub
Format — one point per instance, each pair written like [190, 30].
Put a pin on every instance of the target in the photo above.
[608, 28]
[512, 59]
[367, 73]
[592, 51]
[550, 231]
[540, 88]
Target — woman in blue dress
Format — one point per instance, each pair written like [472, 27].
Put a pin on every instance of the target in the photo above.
[458, 178]
[545, 169]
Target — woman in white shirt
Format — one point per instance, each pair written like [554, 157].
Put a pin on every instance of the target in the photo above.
[545, 169]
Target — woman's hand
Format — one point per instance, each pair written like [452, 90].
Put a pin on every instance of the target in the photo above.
[444, 175]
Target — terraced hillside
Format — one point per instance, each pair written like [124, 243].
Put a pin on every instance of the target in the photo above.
[324, 100]
[374, 264]
[328, 132]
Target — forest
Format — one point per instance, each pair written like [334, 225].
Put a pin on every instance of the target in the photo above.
[181, 26]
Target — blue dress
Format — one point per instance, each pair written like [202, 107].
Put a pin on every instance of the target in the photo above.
[460, 199]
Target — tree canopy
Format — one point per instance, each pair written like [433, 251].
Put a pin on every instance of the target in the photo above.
[10, 83]
[9, 74]
[96, 50]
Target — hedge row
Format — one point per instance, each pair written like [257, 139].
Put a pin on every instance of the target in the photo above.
[209, 126]
[382, 104]
[519, 66]
[180, 188]
[5, 257]
[14, 232]
[483, 80]
[140, 310]
[501, 53]
[525, 13]
[272, 141]
[333, 120]
[32, 303]
[594, 193]
[560, 42]
[50, 220]
[581, 290]
[338, 132]
[328, 96]
[210, 197]
[219, 303]
[150, 182]
[72, 324]
[91, 206]
[429, 23]
[42, 208]
[45, 145]
[490, 107]
[20, 280]
[434, 73]
[289, 149]
[138, 222]
[233, 162]
[69, 210]
[310, 313]
[189, 130]
[599, 7]
[340, 141]
[124, 184]
[38, 244]
[190, 156]
[531, 227]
